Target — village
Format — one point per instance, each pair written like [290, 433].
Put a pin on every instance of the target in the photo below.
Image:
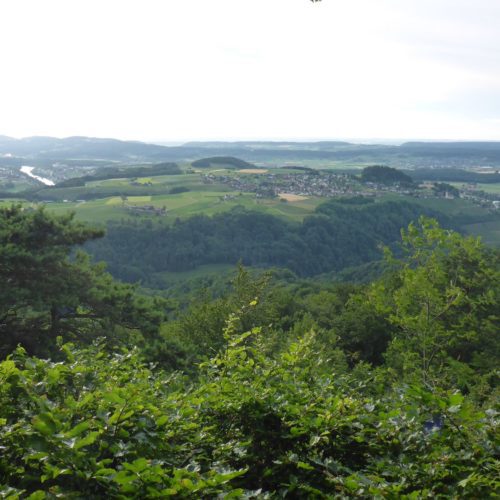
[327, 184]
[321, 184]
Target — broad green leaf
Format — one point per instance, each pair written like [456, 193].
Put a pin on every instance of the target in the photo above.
[78, 429]
[45, 424]
[113, 397]
[87, 440]
[162, 420]
[37, 495]
[304, 465]
[137, 465]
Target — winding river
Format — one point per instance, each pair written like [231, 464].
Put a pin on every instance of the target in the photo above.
[29, 172]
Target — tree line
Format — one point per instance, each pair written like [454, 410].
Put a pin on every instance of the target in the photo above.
[337, 236]
[119, 172]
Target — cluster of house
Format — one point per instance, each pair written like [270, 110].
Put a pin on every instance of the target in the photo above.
[324, 184]
[327, 184]
[318, 184]
[472, 193]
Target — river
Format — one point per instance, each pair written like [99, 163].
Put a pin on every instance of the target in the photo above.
[28, 171]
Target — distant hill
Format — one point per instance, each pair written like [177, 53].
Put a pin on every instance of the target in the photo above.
[49, 150]
[268, 144]
[222, 161]
[453, 146]
[452, 175]
[78, 147]
[480, 151]
[385, 175]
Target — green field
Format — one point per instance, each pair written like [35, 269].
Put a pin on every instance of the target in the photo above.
[114, 199]
[210, 202]
[487, 188]
[166, 180]
[455, 207]
[486, 225]
[178, 205]
[490, 188]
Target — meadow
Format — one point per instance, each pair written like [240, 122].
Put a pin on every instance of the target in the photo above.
[493, 188]
[113, 200]
[489, 188]
[181, 205]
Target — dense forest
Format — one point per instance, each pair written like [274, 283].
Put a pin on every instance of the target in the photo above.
[338, 235]
[385, 175]
[270, 389]
[225, 161]
[452, 175]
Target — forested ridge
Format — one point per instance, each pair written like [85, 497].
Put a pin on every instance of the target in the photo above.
[299, 388]
[337, 236]
[385, 175]
[226, 161]
[118, 172]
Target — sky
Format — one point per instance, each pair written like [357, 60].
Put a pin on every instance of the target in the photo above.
[178, 70]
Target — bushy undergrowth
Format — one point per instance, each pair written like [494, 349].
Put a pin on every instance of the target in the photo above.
[105, 425]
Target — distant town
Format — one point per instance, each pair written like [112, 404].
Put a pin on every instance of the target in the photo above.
[327, 184]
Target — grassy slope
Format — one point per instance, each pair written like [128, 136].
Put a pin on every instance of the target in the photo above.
[206, 199]
[181, 205]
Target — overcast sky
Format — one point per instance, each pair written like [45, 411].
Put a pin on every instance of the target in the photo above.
[174, 70]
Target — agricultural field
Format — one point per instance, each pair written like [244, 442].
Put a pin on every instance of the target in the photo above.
[488, 228]
[493, 188]
[117, 199]
[210, 191]
[180, 205]
[489, 188]
[483, 223]
[453, 208]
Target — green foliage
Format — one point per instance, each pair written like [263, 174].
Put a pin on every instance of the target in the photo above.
[119, 172]
[104, 425]
[385, 175]
[443, 188]
[98, 425]
[46, 294]
[178, 190]
[284, 403]
[335, 237]
[225, 161]
[197, 332]
[452, 175]
[443, 299]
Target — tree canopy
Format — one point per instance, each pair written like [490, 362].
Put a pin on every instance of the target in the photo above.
[299, 388]
[47, 292]
[385, 175]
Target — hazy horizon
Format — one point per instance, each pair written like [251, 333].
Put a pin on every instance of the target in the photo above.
[180, 142]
